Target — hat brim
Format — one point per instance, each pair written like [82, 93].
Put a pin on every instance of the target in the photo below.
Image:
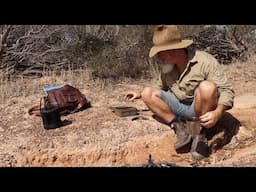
[183, 44]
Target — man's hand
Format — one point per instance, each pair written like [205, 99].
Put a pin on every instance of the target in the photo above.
[131, 95]
[209, 119]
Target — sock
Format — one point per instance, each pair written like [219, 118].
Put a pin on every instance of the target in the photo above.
[173, 121]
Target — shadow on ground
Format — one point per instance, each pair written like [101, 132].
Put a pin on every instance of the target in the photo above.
[223, 132]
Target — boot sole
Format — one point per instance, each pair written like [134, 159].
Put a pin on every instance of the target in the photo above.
[197, 156]
[185, 147]
[200, 153]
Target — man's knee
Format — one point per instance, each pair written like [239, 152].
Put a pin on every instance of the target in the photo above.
[207, 88]
[148, 93]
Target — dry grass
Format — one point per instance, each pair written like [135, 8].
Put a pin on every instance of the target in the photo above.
[16, 86]
[242, 71]
[19, 86]
[242, 75]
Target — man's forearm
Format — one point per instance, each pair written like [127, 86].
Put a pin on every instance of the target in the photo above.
[221, 110]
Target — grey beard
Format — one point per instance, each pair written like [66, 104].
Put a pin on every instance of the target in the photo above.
[166, 68]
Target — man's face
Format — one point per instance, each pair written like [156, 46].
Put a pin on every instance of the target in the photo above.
[167, 60]
[169, 56]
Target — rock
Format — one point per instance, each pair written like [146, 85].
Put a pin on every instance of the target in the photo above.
[1, 129]
[244, 133]
[247, 100]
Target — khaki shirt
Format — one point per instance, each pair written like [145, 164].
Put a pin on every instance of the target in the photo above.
[202, 66]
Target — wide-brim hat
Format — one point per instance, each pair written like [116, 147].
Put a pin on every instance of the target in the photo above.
[167, 37]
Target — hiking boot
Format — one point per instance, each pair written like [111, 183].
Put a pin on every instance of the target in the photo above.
[183, 138]
[200, 148]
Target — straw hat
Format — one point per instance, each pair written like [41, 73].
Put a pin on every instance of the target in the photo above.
[167, 37]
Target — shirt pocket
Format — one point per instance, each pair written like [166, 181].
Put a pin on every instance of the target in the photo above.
[189, 87]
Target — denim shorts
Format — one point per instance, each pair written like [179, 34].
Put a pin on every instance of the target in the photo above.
[183, 110]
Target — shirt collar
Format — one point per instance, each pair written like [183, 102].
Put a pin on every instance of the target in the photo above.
[194, 60]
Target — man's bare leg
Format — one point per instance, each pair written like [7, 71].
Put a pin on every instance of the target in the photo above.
[206, 97]
[151, 97]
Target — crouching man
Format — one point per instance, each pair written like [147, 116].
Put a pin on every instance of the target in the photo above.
[193, 86]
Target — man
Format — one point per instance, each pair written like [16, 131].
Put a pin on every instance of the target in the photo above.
[193, 87]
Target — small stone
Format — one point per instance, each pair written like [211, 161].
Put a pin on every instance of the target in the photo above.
[1, 129]
[244, 133]
[247, 100]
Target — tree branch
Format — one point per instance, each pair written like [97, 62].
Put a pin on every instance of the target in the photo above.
[3, 40]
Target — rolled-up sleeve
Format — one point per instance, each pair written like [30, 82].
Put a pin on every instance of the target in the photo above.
[226, 91]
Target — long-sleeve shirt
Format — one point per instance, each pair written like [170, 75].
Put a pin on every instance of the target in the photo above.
[202, 66]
